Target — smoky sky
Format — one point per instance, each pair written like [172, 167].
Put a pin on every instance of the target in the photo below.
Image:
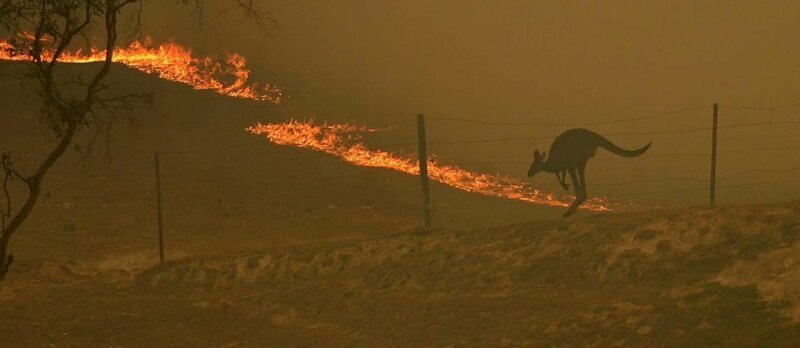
[499, 59]
[532, 61]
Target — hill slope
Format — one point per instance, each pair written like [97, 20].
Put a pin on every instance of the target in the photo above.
[725, 277]
[277, 246]
[224, 189]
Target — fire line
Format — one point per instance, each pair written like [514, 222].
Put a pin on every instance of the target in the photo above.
[172, 62]
[176, 63]
[343, 140]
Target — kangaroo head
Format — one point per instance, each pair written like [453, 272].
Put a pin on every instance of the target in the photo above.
[538, 163]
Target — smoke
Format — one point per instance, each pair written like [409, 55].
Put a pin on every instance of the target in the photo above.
[370, 63]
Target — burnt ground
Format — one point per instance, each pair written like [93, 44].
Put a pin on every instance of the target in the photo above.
[273, 246]
[724, 277]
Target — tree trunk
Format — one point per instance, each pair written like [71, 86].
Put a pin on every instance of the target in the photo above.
[34, 186]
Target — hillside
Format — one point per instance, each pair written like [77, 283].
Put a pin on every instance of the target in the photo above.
[669, 278]
[223, 188]
[284, 141]
[278, 246]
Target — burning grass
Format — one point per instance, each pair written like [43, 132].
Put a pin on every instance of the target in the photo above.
[344, 141]
[169, 61]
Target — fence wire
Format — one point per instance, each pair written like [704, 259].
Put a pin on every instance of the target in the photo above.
[724, 181]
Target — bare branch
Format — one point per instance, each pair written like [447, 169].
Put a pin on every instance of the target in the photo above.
[135, 22]
[6, 213]
[250, 8]
[56, 24]
[44, 30]
[253, 12]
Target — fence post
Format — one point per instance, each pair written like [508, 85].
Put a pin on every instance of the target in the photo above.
[714, 156]
[158, 207]
[423, 170]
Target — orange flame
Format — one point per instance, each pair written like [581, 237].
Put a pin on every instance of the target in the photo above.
[172, 62]
[342, 140]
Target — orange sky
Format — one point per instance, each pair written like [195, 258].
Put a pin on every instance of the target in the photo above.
[371, 62]
[519, 59]
[534, 61]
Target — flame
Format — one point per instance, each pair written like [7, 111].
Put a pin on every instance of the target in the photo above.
[343, 140]
[172, 62]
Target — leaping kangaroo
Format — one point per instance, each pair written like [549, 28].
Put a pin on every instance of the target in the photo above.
[569, 153]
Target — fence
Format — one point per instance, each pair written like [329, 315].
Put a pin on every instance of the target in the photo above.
[743, 133]
[723, 134]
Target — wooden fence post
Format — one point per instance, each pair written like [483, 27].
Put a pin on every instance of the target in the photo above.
[158, 207]
[423, 170]
[714, 156]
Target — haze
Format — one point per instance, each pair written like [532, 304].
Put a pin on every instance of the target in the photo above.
[376, 62]
[519, 60]
[207, 218]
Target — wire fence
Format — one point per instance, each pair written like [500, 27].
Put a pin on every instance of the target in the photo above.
[758, 147]
[695, 177]
[734, 145]
[775, 128]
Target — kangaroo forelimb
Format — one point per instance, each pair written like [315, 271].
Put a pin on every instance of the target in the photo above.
[562, 180]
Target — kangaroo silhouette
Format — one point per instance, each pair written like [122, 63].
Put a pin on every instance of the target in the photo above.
[569, 153]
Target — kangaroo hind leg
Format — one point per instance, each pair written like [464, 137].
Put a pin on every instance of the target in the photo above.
[577, 185]
[582, 178]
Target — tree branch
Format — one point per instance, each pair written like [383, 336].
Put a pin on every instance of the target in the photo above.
[6, 213]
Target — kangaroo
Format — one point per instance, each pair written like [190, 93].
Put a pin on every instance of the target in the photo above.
[569, 154]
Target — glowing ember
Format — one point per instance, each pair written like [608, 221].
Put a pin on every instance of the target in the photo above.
[173, 62]
[343, 141]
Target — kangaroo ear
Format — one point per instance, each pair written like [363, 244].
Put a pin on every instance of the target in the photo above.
[536, 154]
[544, 154]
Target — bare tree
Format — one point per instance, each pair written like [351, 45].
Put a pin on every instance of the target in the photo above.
[44, 31]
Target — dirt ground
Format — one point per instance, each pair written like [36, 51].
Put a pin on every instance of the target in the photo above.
[274, 246]
[666, 278]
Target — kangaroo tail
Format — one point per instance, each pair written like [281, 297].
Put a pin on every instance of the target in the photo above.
[608, 145]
